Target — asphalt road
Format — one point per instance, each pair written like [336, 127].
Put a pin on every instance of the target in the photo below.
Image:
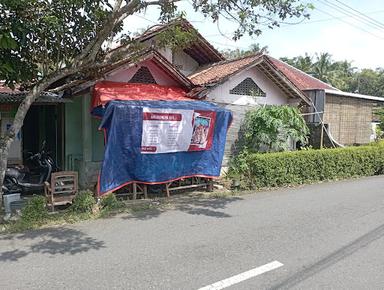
[326, 236]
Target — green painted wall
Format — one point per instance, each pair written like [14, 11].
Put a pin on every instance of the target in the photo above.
[97, 141]
[84, 143]
[73, 132]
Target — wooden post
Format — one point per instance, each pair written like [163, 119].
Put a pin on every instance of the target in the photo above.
[167, 189]
[210, 184]
[322, 136]
[134, 189]
[145, 191]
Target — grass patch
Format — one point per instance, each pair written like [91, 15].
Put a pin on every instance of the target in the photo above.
[67, 216]
[35, 215]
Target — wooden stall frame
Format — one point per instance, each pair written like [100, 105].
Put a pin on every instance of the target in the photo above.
[134, 189]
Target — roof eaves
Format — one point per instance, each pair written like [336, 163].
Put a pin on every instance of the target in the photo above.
[183, 22]
[45, 97]
[128, 62]
[171, 68]
[132, 61]
[283, 77]
[205, 41]
[353, 95]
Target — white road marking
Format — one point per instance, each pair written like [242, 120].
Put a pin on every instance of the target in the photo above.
[243, 276]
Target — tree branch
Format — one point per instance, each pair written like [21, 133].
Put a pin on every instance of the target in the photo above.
[90, 46]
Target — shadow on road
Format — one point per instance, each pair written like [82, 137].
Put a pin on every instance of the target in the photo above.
[332, 259]
[212, 207]
[53, 241]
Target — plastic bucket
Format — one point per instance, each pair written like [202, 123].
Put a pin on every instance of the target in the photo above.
[8, 198]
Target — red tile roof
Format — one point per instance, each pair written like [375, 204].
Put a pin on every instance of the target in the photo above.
[302, 80]
[219, 71]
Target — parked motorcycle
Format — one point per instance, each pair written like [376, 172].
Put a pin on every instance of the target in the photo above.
[30, 179]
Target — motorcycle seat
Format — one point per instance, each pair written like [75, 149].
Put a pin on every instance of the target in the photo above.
[20, 168]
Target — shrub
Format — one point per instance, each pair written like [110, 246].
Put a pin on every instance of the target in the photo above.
[83, 202]
[35, 210]
[308, 166]
[109, 202]
[272, 128]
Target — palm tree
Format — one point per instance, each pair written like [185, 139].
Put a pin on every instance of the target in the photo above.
[304, 63]
[322, 68]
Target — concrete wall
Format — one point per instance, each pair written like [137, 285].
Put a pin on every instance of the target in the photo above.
[73, 133]
[97, 141]
[240, 104]
[84, 143]
[349, 119]
[274, 96]
[167, 53]
[183, 62]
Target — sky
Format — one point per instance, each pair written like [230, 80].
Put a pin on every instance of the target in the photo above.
[344, 33]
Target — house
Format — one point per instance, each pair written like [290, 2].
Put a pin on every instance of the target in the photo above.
[84, 144]
[200, 70]
[348, 117]
[65, 123]
[244, 83]
[237, 85]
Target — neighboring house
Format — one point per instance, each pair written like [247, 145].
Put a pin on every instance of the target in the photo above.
[348, 117]
[43, 122]
[202, 72]
[244, 83]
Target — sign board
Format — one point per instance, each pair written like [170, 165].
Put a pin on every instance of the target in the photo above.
[176, 130]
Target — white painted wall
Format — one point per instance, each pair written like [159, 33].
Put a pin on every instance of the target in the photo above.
[125, 74]
[239, 104]
[165, 52]
[274, 96]
[184, 63]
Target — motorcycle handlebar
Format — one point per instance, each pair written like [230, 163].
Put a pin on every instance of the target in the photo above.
[34, 156]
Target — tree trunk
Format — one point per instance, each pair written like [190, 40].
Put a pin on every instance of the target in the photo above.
[4, 149]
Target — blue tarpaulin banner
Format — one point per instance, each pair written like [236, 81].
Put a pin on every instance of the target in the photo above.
[125, 160]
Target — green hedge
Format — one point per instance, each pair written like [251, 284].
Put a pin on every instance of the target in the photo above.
[308, 166]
